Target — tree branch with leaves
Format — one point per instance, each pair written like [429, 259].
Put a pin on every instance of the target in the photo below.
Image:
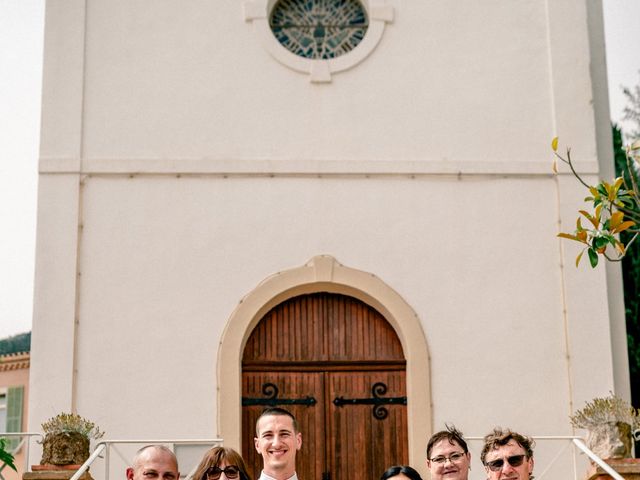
[615, 208]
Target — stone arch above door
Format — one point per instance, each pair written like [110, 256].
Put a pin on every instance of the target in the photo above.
[324, 273]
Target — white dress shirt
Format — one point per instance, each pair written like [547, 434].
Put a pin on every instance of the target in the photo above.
[264, 476]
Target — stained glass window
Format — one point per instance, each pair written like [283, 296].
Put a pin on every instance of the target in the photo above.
[319, 29]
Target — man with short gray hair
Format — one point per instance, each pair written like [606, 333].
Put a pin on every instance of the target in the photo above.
[154, 462]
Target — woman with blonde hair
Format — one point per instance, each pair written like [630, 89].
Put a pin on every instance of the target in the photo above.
[220, 463]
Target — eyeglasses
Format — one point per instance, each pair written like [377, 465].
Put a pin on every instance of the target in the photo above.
[514, 461]
[213, 473]
[453, 458]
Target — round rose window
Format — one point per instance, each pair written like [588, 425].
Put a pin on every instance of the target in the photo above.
[319, 29]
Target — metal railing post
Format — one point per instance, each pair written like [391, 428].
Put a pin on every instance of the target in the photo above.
[106, 444]
[601, 463]
[107, 462]
[85, 466]
[26, 455]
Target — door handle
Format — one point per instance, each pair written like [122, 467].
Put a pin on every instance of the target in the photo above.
[271, 391]
[377, 400]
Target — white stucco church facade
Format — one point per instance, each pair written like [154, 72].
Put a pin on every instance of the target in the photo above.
[194, 173]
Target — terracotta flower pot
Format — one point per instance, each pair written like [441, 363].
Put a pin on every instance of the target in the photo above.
[629, 468]
[49, 466]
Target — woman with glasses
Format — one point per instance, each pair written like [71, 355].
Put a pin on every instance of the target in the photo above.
[448, 456]
[400, 472]
[220, 463]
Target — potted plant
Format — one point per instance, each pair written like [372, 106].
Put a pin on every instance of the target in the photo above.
[610, 423]
[66, 441]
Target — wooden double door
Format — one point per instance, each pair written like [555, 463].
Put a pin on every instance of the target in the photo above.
[338, 366]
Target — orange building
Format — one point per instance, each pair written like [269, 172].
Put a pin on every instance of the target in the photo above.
[14, 397]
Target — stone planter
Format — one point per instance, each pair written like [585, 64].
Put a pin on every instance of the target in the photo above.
[610, 440]
[66, 448]
[64, 474]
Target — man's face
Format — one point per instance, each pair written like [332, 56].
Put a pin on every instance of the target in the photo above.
[277, 442]
[511, 451]
[154, 464]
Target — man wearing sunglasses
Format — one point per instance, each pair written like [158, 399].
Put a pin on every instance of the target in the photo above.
[154, 462]
[278, 441]
[507, 455]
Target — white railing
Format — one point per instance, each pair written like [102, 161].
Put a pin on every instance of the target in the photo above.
[604, 465]
[568, 441]
[25, 438]
[104, 450]
[107, 445]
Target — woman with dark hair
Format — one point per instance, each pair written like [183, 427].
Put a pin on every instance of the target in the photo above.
[220, 463]
[448, 455]
[400, 472]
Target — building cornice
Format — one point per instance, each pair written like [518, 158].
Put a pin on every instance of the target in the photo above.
[14, 361]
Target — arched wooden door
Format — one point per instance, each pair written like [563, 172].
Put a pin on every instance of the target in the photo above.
[338, 366]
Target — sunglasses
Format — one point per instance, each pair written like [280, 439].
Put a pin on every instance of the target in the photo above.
[213, 473]
[514, 461]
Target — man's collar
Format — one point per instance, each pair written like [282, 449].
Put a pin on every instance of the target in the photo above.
[264, 476]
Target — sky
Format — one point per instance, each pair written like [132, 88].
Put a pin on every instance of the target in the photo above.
[622, 35]
[21, 39]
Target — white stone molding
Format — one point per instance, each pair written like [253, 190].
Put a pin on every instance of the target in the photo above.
[380, 13]
[324, 273]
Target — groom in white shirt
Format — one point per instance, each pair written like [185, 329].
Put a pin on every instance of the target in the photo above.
[277, 440]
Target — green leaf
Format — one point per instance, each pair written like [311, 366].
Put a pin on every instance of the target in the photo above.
[593, 257]
[599, 242]
[612, 240]
[6, 457]
[602, 190]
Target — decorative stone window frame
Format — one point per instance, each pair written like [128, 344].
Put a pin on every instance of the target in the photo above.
[379, 12]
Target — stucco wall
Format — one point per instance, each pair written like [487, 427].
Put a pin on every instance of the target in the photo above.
[469, 82]
[181, 165]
